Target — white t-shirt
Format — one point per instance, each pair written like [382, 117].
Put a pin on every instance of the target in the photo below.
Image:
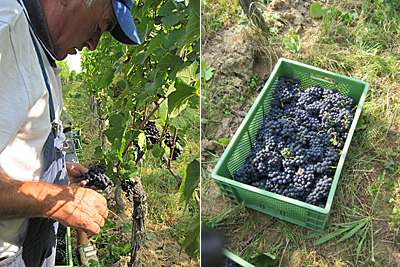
[24, 110]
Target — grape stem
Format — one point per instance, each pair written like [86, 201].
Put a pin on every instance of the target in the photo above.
[172, 149]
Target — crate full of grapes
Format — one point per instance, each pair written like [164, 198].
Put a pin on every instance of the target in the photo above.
[63, 249]
[286, 157]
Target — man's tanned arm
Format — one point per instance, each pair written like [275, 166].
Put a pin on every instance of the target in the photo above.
[72, 206]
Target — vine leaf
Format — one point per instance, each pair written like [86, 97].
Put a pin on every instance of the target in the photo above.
[152, 87]
[174, 38]
[192, 239]
[191, 181]
[141, 140]
[189, 74]
[158, 151]
[98, 152]
[172, 19]
[192, 28]
[168, 8]
[185, 119]
[115, 132]
[107, 77]
[155, 43]
[177, 99]
[122, 84]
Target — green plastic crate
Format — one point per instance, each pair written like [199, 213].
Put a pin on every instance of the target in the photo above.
[78, 149]
[239, 148]
[69, 250]
[77, 134]
[237, 259]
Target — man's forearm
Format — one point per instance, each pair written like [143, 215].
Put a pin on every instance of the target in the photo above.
[73, 206]
[21, 199]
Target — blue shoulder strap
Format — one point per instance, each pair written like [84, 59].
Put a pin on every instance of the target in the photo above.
[52, 117]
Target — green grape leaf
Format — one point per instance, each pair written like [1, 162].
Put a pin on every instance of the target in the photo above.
[107, 77]
[141, 140]
[177, 99]
[155, 43]
[167, 8]
[174, 38]
[122, 84]
[158, 151]
[185, 119]
[192, 28]
[189, 74]
[98, 152]
[172, 19]
[191, 243]
[192, 180]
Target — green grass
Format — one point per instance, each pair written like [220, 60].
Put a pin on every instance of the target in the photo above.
[218, 14]
[76, 101]
[367, 196]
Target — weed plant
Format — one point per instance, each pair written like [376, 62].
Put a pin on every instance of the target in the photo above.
[216, 15]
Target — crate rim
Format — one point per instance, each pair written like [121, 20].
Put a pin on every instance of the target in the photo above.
[235, 140]
[236, 258]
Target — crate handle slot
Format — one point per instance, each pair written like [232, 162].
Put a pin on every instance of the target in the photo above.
[321, 78]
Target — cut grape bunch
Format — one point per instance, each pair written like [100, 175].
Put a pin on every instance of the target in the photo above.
[153, 135]
[95, 176]
[298, 146]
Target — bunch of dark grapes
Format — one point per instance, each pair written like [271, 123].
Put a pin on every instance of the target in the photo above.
[96, 177]
[127, 186]
[230, 263]
[169, 141]
[61, 249]
[298, 145]
[151, 132]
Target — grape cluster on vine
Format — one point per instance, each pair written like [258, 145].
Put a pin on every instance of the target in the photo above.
[127, 186]
[95, 176]
[151, 132]
[61, 249]
[298, 145]
[169, 142]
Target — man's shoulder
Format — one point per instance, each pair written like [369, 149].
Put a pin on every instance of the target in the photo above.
[10, 11]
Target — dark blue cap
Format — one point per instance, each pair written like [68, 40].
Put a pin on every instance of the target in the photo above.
[125, 30]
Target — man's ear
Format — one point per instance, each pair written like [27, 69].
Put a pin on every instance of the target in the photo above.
[64, 2]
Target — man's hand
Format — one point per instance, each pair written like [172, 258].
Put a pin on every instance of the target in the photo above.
[79, 208]
[73, 206]
[76, 173]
